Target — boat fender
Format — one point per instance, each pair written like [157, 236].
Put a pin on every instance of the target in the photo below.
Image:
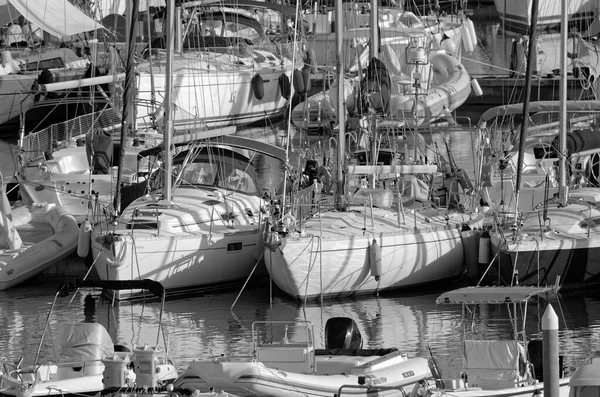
[83, 245]
[467, 41]
[298, 82]
[284, 86]
[484, 248]
[476, 88]
[306, 78]
[45, 77]
[258, 87]
[471, 30]
[375, 260]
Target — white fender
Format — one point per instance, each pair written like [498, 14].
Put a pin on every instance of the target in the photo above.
[471, 29]
[83, 244]
[450, 94]
[466, 39]
[476, 87]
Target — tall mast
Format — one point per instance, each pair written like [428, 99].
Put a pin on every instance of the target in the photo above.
[562, 131]
[374, 45]
[341, 106]
[127, 118]
[528, 74]
[167, 158]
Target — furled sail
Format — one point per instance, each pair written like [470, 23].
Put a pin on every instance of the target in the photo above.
[57, 17]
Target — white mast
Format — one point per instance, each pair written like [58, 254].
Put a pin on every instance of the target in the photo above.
[168, 133]
[341, 105]
[562, 131]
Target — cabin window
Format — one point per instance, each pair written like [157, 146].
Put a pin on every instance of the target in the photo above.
[54, 63]
[234, 247]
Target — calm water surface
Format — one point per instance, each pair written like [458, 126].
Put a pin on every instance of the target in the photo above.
[207, 326]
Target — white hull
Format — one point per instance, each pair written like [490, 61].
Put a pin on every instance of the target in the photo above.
[48, 234]
[567, 247]
[181, 248]
[520, 391]
[332, 259]
[516, 14]
[254, 378]
[210, 90]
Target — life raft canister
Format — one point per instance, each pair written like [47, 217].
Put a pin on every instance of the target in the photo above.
[258, 87]
[284, 86]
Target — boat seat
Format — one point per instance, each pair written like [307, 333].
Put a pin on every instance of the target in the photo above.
[336, 365]
[495, 364]
[292, 357]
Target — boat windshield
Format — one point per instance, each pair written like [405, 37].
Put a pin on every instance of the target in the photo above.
[230, 174]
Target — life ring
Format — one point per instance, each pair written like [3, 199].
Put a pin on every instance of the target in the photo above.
[258, 87]
[284, 86]
[298, 82]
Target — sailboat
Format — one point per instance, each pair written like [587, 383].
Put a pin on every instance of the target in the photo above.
[23, 68]
[558, 242]
[370, 239]
[199, 228]
[234, 65]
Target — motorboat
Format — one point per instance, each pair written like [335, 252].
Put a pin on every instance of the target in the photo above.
[285, 362]
[497, 366]
[87, 361]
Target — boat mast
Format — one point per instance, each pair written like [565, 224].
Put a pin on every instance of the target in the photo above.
[528, 74]
[563, 191]
[167, 156]
[341, 105]
[127, 117]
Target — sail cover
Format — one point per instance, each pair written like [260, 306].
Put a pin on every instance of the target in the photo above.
[57, 17]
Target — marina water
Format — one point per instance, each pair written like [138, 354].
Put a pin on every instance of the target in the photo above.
[204, 326]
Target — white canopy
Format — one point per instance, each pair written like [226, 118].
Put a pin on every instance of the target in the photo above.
[57, 17]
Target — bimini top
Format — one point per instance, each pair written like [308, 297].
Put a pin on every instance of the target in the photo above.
[495, 295]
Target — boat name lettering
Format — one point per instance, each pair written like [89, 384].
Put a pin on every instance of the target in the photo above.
[408, 374]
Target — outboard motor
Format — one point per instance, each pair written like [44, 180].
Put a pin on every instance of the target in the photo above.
[342, 333]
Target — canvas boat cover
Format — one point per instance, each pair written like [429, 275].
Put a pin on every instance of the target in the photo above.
[83, 342]
[494, 295]
[57, 17]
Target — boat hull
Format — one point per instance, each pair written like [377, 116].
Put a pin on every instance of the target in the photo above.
[254, 378]
[516, 14]
[566, 245]
[48, 234]
[339, 265]
[211, 94]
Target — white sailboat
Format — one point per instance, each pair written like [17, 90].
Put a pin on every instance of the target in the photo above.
[372, 239]
[558, 242]
[22, 68]
[200, 228]
[227, 69]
